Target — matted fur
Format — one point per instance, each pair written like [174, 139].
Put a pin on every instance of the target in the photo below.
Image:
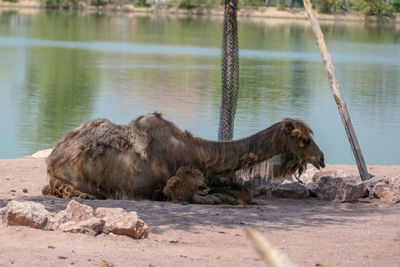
[105, 160]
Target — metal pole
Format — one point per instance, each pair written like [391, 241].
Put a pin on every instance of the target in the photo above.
[337, 94]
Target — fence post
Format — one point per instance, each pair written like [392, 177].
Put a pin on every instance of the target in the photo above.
[337, 94]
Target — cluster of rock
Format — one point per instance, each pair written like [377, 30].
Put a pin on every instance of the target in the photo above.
[338, 186]
[76, 218]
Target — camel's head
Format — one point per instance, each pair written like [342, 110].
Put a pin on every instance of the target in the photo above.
[300, 146]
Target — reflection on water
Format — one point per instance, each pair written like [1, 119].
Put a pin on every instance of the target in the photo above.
[61, 69]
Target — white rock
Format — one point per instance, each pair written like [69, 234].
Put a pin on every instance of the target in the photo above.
[340, 189]
[27, 214]
[120, 222]
[42, 153]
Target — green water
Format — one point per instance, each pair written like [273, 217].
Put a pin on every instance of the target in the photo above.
[60, 69]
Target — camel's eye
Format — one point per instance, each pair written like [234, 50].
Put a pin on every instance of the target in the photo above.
[306, 141]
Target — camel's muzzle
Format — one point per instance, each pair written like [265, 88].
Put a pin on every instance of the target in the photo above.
[318, 162]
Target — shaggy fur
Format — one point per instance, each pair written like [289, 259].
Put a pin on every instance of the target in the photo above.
[151, 158]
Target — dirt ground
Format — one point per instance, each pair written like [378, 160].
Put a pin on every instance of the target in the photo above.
[364, 233]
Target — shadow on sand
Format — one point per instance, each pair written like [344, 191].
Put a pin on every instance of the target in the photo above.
[279, 213]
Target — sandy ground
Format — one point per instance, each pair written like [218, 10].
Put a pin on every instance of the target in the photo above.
[364, 233]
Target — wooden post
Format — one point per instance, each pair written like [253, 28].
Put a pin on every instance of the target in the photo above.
[337, 94]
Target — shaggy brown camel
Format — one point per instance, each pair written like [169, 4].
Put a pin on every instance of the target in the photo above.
[151, 158]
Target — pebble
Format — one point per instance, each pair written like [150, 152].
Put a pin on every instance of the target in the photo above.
[25, 190]
[104, 263]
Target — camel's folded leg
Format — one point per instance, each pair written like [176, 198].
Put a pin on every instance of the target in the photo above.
[189, 185]
[183, 186]
[222, 195]
[204, 197]
[63, 189]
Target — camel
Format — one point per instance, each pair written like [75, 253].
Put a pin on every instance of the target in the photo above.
[150, 158]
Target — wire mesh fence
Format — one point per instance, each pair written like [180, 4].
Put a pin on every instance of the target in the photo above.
[230, 71]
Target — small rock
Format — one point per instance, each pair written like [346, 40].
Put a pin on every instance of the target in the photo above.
[109, 212]
[104, 263]
[25, 190]
[307, 175]
[120, 222]
[77, 218]
[42, 153]
[27, 214]
[394, 180]
[91, 226]
[334, 173]
[340, 189]
[3, 215]
[388, 193]
[55, 221]
[13, 191]
[291, 190]
[51, 247]
[172, 241]
[373, 183]
[62, 257]
[79, 212]
[312, 189]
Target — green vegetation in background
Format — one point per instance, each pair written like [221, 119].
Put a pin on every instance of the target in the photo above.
[376, 7]
[11, 1]
[281, 5]
[189, 4]
[142, 3]
[367, 7]
[56, 3]
[186, 4]
[98, 2]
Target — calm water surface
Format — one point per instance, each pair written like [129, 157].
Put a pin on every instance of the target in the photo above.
[58, 70]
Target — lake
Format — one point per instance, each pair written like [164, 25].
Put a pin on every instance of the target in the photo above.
[59, 69]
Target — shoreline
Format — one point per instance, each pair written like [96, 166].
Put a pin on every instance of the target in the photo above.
[245, 12]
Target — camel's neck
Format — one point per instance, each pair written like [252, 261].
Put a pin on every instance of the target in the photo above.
[222, 157]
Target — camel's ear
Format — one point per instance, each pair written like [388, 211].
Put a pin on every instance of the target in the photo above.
[295, 133]
[188, 134]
